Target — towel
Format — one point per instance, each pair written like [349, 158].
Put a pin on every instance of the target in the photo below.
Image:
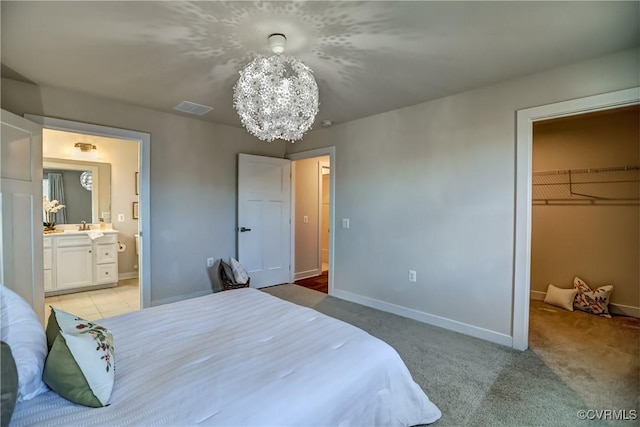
[94, 234]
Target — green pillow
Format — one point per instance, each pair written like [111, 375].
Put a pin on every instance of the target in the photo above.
[80, 364]
[8, 384]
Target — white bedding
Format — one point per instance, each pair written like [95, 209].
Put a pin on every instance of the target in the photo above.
[257, 360]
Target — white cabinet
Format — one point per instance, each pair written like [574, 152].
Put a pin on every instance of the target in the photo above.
[48, 265]
[106, 256]
[74, 262]
[74, 267]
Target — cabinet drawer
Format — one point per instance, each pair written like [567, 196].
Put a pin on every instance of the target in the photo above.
[106, 273]
[46, 242]
[106, 254]
[64, 242]
[47, 259]
[106, 239]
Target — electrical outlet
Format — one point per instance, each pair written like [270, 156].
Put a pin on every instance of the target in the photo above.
[209, 262]
[413, 276]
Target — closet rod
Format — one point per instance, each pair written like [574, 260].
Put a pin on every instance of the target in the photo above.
[589, 170]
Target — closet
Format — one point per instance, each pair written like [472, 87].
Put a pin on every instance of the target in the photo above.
[586, 204]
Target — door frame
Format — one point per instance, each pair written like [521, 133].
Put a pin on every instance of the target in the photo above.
[319, 152]
[144, 149]
[524, 188]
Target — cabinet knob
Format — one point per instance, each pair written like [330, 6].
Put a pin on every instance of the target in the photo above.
[89, 251]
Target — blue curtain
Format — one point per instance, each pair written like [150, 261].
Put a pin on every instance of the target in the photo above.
[56, 188]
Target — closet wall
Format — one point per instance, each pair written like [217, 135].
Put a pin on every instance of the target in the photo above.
[588, 223]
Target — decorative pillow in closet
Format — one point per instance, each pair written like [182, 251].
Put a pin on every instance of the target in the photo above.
[559, 297]
[595, 302]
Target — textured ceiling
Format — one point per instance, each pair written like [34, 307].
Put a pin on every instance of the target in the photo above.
[368, 57]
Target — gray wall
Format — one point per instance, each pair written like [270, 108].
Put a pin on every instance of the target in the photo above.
[193, 179]
[444, 179]
[443, 174]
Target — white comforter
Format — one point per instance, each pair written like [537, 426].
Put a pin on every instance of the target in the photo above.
[246, 358]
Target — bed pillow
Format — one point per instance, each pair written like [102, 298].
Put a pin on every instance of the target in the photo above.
[80, 366]
[22, 331]
[239, 273]
[8, 384]
[595, 302]
[559, 297]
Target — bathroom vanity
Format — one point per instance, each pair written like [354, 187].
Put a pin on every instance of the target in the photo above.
[74, 261]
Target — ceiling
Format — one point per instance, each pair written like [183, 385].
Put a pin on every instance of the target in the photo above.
[368, 57]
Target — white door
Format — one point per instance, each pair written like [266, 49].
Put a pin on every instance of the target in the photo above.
[21, 252]
[264, 219]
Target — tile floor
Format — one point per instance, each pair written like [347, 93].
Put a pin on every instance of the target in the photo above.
[98, 304]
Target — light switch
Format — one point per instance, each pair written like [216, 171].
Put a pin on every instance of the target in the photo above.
[305, 219]
[121, 217]
[345, 222]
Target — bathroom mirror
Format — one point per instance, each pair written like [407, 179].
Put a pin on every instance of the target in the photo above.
[81, 204]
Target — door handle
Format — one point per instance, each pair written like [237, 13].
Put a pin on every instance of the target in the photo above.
[243, 229]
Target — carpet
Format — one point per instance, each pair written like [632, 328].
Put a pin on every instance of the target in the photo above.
[478, 383]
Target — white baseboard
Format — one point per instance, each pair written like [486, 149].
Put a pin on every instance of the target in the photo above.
[538, 296]
[431, 319]
[625, 310]
[129, 275]
[306, 274]
[179, 298]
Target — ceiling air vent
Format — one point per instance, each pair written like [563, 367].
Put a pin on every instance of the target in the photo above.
[192, 108]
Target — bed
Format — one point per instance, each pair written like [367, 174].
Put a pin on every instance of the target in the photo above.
[240, 358]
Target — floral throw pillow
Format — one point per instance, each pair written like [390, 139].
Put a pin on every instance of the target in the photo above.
[80, 365]
[592, 301]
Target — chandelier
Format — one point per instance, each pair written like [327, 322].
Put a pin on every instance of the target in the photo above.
[86, 180]
[276, 97]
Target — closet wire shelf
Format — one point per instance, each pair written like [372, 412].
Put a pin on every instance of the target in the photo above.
[619, 185]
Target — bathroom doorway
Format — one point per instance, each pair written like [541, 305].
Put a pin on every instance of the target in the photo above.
[105, 202]
[131, 203]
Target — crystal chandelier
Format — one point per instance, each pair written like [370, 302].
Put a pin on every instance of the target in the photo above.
[276, 97]
[86, 180]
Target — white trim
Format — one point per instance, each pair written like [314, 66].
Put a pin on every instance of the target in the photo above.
[524, 144]
[538, 296]
[431, 319]
[128, 275]
[307, 274]
[319, 152]
[625, 310]
[144, 140]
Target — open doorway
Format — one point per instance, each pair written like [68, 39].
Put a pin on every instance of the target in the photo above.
[522, 243]
[139, 204]
[585, 251]
[310, 205]
[95, 179]
[313, 184]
